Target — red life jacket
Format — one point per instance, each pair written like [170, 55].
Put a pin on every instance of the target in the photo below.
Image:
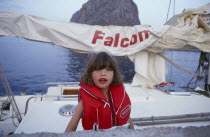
[97, 109]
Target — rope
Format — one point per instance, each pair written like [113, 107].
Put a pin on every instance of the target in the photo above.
[168, 10]
[200, 74]
[169, 6]
[174, 7]
[177, 66]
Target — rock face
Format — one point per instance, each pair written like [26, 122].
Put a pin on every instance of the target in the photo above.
[108, 12]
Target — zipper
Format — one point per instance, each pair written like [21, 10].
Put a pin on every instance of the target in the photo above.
[115, 112]
[121, 101]
[112, 124]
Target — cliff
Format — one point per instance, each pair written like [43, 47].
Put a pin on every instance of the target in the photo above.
[108, 12]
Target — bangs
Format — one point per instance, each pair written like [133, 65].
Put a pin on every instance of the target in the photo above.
[102, 62]
[102, 65]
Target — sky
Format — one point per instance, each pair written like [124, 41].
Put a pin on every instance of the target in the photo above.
[151, 12]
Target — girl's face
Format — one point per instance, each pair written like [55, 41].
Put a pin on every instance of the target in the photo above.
[102, 78]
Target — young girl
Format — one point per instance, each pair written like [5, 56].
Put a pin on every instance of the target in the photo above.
[103, 101]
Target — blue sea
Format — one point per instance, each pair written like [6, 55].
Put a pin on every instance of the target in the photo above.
[28, 65]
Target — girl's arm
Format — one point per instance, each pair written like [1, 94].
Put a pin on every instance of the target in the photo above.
[72, 126]
[131, 123]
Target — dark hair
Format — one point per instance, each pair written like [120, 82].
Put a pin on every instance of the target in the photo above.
[101, 61]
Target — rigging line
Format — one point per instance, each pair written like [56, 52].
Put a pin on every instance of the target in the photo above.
[168, 10]
[189, 83]
[200, 73]
[174, 7]
[10, 94]
[177, 66]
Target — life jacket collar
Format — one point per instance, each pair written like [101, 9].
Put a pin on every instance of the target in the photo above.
[94, 91]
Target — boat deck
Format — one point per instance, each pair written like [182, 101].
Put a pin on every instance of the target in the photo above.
[44, 115]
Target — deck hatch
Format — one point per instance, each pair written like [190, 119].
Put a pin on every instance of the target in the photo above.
[67, 110]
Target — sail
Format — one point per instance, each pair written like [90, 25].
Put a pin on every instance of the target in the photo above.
[116, 40]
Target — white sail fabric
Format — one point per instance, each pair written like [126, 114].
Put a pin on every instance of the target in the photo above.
[139, 42]
[192, 27]
[116, 40]
[150, 69]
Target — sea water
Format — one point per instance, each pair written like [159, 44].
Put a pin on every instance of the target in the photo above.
[28, 65]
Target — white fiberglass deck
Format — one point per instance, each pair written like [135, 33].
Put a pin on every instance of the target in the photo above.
[43, 116]
[152, 102]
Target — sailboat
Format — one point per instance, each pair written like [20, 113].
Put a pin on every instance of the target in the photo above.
[154, 102]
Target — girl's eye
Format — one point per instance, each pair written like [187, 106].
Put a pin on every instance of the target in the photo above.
[96, 69]
[109, 69]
